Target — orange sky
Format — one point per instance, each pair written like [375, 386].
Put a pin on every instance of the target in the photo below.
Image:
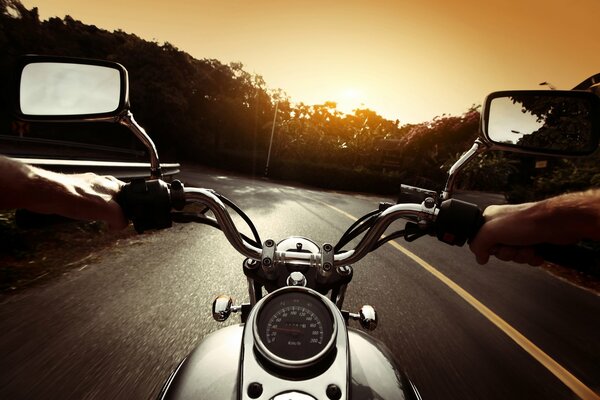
[408, 60]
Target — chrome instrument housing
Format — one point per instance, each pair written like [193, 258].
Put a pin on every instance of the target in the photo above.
[281, 361]
[278, 375]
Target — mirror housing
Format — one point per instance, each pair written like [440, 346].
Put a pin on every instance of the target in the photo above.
[542, 122]
[70, 89]
[66, 89]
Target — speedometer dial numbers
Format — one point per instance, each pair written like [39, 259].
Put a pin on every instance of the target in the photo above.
[296, 331]
[294, 328]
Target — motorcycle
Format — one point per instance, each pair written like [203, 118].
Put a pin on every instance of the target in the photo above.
[294, 340]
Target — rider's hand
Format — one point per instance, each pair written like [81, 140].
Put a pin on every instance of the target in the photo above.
[87, 197]
[511, 231]
[508, 234]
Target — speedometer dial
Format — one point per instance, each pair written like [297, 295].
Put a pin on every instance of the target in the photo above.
[294, 327]
[295, 332]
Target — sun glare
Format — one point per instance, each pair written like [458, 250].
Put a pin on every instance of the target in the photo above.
[350, 99]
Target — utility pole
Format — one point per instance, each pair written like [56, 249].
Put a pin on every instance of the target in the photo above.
[271, 141]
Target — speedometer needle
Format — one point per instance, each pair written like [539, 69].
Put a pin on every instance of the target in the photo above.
[288, 330]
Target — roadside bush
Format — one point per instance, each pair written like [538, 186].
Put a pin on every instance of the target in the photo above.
[338, 178]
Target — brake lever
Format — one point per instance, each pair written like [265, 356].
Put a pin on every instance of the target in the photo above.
[187, 217]
[412, 232]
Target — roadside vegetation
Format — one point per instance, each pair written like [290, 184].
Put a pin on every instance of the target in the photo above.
[206, 112]
[32, 253]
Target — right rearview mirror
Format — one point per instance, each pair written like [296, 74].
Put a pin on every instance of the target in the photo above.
[548, 122]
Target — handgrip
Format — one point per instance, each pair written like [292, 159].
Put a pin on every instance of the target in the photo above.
[458, 221]
[146, 203]
[572, 255]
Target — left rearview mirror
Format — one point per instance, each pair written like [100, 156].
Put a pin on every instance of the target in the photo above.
[65, 89]
[544, 122]
[54, 88]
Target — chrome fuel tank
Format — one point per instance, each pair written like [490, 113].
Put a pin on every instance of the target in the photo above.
[375, 373]
[211, 371]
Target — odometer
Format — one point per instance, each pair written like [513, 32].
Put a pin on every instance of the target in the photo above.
[294, 327]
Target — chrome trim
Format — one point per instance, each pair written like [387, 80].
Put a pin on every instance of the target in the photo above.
[415, 392]
[384, 382]
[292, 257]
[293, 396]
[298, 244]
[478, 147]
[368, 317]
[126, 119]
[339, 301]
[89, 163]
[296, 278]
[221, 308]
[325, 269]
[211, 370]
[415, 212]
[206, 197]
[282, 362]
[338, 372]
[251, 291]
[167, 385]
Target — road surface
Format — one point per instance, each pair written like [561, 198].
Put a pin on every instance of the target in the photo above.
[115, 329]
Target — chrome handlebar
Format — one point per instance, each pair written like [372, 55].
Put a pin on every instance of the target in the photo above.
[208, 199]
[419, 213]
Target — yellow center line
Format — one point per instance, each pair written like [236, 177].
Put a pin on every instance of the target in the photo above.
[548, 362]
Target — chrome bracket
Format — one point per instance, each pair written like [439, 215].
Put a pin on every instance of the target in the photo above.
[367, 316]
[126, 119]
[268, 259]
[418, 192]
[325, 268]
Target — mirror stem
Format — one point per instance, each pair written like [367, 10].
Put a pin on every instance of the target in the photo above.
[126, 119]
[477, 148]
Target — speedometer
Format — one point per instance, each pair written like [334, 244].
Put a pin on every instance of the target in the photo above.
[294, 327]
[295, 332]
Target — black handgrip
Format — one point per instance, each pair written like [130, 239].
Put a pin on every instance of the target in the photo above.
[576, 256]
[146, 203]
[457, 221]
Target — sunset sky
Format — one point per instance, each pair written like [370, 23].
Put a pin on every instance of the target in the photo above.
[407, 60]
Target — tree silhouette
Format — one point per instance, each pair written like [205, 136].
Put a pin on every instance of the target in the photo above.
[204, 111]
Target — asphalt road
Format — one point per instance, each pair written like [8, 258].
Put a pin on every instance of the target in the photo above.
[115, 329]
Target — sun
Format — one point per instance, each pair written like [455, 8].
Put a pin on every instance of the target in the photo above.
[350, 99]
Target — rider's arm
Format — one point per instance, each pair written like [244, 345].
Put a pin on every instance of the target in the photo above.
[79, 196]
[510, 231]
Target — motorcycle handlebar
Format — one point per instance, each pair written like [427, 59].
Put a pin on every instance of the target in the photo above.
[417, 212]
[207, 198]
[148, 204]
